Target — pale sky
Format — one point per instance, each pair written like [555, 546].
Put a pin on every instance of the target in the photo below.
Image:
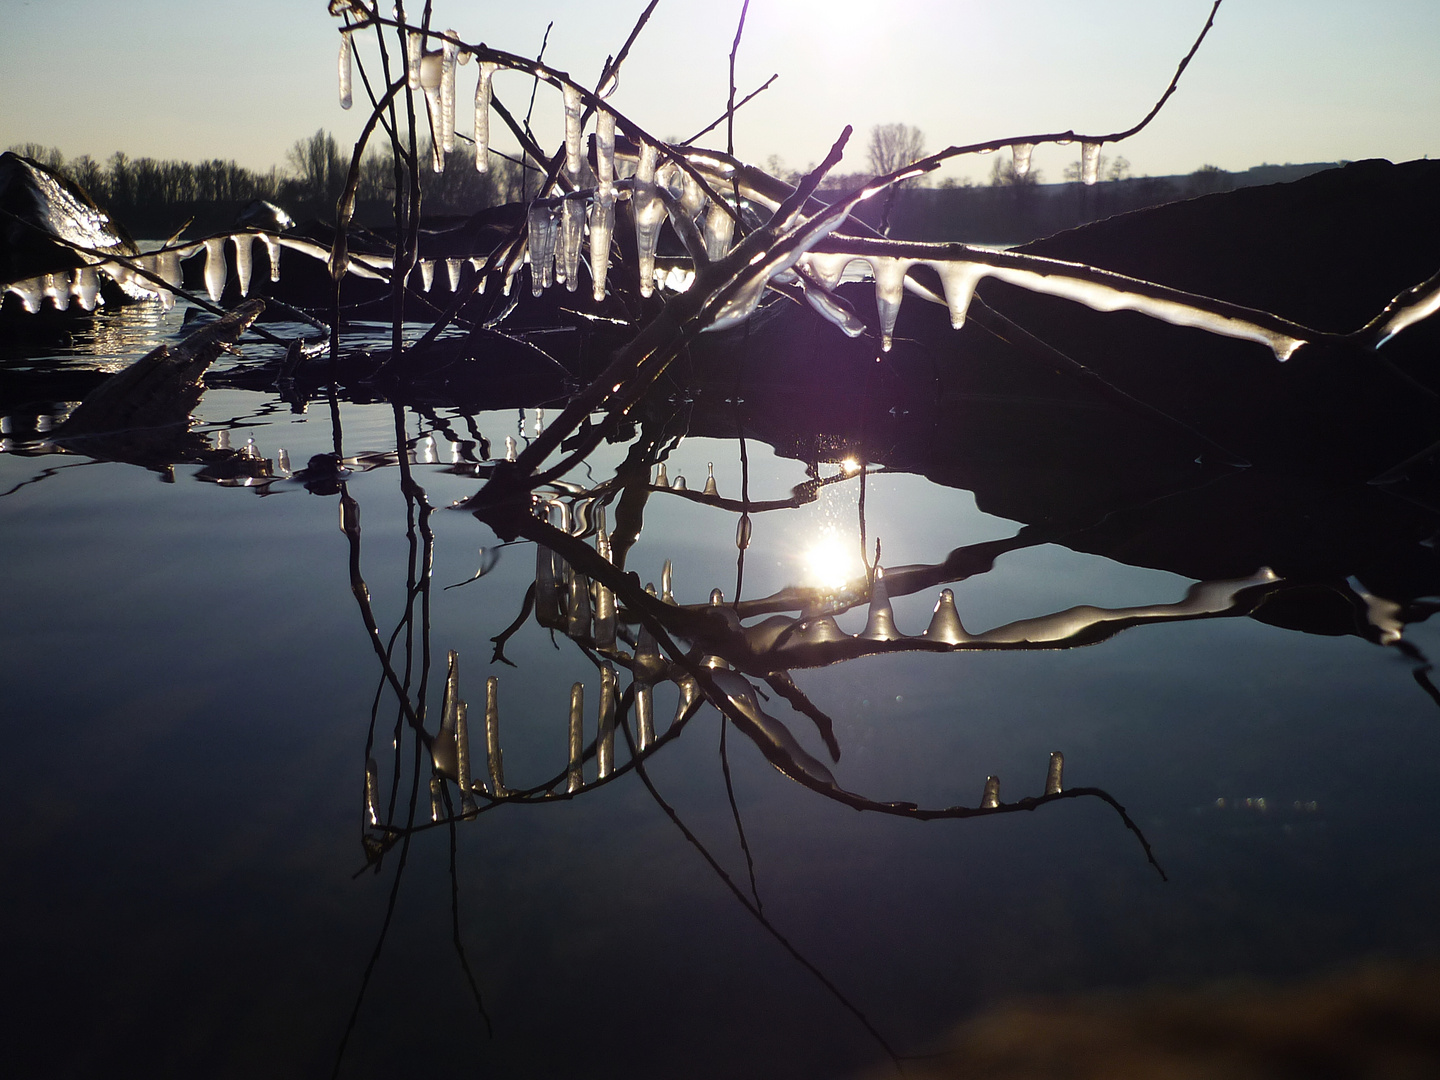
[1276, 81]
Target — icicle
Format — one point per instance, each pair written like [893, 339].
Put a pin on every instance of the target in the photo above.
[605, 731]
[482, 116]
[649, 210]
[492, 737]
[605, 153]
[432, 76]
[57, 288]
[346, 100]
[572, 239]
[444, 749]
[437, 799]
[170, 268]
[604, 598]
[991, 798]
[215, 268]
[452, 270]
[692, 196]
[602, 228]
[572, 130]
[462, 758]
[1053, 775]
[31, 292]
[1022, 152]
[820, 630]
[414, 46]
[547, 589]
[959, 280]
[576, 778]
[880, 626]
[717, 598]
[372, 792]
[889, 291]
[510, 454]
[667, 574]
[272, 249]
[542, 248]
[718, 230]
[243, 265]
[679, 484]
[87, 287]
[578, 618]
[427, 273]
[282, 461]
[662, 478]
[742, 532]
[710, 488]
[449, 50]
[945, 623]
[1089, 162]
[689, 694]
[644, 715]
[826, 268]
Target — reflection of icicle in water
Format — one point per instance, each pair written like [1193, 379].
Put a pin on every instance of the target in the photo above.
[448, 53]
[372, 792]
[889, 291]
[718, 230]
[602, 228]
[572, 239]
[215, 268]
[244, 244]
[427, 273]
[605, 730]
[991, 797]
[604, 598]
[572, 130]
[542, 248]
[462, 757]
[346, 99]
[452, 271]
[1022, 152]
[1053, 775]
[575, 778]
[482, 116]
[437, 799]
[492, 737]
[1089, 162]
[649, 211]
[959, 280]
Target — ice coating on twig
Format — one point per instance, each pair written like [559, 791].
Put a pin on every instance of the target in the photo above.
[1407, 309]
[1021, 153]
[945, 623]
[244, 248]
[572, 239]
[990, 799]
[1053, 775]
[604, 153]
[575, 775]
[449, 51]
[542, 248]
[605, 730]
[889, 291]
[482, 116]
[1089, 162]
[959, 280]
[602, 230]
[573, 103]
[649, 210]
[718, 230]
[768, 731]
[215, 268]
[493, 754]
[880, 625]
[346, 98]
[742, 532]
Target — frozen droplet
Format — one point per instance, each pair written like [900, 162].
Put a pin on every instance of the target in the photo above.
[573, 104]
[215, 268]
[244, 243]
[1022, 152]
[542, 247]
[742, 532]
[605, 729]
[604, 153]
[662, 479]
[427, 273]
[1053, 774]
[482, 116]
[991, 798]
[372, 792]
[649, 210]
[945, 623]
[1089, 162]
[880, 626]
[889, 291]
[250, 452]
[710, 488]
[572, 239]
[346, 99]
[959, 280]
[575, 778]
[716, 598]
[602, 229]
[717, 231]
[492, 737]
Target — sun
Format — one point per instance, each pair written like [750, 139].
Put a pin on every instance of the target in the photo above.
[831, 561]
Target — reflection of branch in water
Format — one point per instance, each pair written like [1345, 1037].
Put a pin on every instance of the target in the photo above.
[735, 812]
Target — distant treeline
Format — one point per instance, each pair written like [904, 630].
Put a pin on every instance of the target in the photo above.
[154, 198]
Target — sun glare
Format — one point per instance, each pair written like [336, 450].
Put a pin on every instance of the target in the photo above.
[831, 561]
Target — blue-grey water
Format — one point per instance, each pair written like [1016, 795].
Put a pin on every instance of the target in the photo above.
[188, 683]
